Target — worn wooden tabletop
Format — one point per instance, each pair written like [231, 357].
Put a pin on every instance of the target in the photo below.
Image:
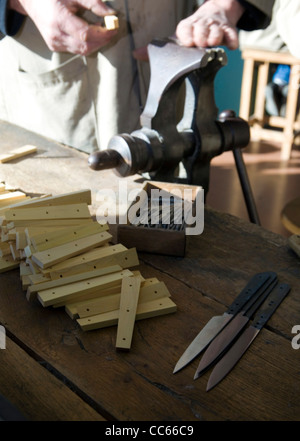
[52, 370]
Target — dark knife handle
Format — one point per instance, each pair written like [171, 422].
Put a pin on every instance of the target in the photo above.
[273, 301]
[258, 299]
[252, 287]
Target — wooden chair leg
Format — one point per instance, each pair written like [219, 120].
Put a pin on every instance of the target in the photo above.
[260, 98]
[291, 121]
[291, 113]
[246, 88]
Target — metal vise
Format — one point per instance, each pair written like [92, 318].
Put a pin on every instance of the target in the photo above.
[180, 121]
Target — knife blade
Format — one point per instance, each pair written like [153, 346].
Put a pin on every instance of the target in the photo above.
[234, 354]
[222, 342]
[217, 323]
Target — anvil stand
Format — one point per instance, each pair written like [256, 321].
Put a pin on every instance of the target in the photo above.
[165, 140]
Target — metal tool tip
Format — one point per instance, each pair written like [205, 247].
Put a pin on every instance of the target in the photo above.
[210, 385]
[208, 388]
[199, 372]
[177, 368]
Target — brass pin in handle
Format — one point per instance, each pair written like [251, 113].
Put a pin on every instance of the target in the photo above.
[104, 160]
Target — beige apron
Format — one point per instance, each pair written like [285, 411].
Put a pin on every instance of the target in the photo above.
[83, 101]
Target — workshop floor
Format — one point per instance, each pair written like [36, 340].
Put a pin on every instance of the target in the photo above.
[274, 183]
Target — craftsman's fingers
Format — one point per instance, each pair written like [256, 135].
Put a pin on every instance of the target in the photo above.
[85, 45]
[96, 37]
[214, 34]
[63, 30]
[76, 36]
[230, 37]
[206, 32]
[220, 34]
[185, 32]
[211, 25]
[79, 37]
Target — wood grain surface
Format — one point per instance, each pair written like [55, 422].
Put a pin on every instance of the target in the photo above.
[139, 385]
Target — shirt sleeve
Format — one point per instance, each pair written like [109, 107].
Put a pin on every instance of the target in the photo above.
[257, 14]
[10, 21]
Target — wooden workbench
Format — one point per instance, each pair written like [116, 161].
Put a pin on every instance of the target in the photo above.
[52, 370]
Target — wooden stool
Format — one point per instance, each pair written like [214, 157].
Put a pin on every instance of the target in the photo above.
[290, 216]
[261, 60]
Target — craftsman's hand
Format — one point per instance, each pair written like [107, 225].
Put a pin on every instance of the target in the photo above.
[213, 24]
[62, 29]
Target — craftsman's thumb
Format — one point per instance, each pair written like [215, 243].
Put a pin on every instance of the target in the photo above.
[98, 7]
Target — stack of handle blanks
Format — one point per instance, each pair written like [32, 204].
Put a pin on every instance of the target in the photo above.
[66, 259]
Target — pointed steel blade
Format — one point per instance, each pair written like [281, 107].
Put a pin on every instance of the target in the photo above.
[230, 359]
[221, 342]
[200, 342]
